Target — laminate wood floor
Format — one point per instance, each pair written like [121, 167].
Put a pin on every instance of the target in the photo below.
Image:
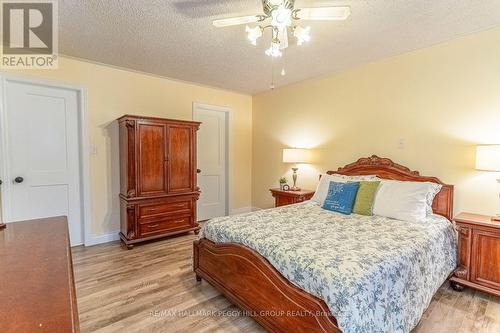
[152, 289]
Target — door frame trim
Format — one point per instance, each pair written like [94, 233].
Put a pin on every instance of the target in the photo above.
[228, 112]
[83, 138]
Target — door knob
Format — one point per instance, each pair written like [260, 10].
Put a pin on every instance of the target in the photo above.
[19, 180]
[198, 170]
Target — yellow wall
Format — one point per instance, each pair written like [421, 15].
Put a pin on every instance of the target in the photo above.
[441, 100]
[114, 92]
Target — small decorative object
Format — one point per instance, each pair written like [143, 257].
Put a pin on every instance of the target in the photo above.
[286, 187]
[282, 182]
[295, 155]
[488, 159]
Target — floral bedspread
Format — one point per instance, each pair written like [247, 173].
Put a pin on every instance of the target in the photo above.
[375, 274]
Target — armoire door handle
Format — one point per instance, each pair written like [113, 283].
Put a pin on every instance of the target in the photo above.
[19, 180]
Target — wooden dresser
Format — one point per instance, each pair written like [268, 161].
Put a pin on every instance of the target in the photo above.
[479, 253]
[283, 198]
[158, 190]
[37, 290]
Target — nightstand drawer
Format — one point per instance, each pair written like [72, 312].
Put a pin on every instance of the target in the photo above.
[283, 201]
[283, 198]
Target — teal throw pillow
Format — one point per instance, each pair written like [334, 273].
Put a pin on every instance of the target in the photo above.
[341, 197]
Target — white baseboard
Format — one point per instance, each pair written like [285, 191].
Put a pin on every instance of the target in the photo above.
[113, 236]
[103, 238]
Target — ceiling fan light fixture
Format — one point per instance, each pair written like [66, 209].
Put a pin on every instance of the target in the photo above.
[253, 34]
[274, 51]
[282, 14]
[281, 17]
[303, 35]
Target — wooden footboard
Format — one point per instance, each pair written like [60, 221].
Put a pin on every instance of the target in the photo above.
[248, 280]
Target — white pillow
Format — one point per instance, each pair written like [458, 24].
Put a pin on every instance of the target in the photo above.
[405, 201]
[324, 183]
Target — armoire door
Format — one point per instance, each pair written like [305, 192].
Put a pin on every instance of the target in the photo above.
[180, 158]
[152, 157]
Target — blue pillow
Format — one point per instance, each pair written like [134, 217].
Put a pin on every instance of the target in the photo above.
[341, 197]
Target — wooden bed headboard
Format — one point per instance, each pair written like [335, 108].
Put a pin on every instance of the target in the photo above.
[387, 169]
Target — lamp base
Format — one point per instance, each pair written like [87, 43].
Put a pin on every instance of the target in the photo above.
[294, 176]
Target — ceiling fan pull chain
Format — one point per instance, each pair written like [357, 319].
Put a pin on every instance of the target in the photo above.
[272, 74]
[283, 71]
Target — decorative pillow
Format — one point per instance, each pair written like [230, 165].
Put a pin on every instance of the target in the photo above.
[434, 190]
[340, 197]
[363, 205]
[405, 201]
[322, 188]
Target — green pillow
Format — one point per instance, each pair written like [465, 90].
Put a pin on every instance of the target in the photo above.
[363, 205]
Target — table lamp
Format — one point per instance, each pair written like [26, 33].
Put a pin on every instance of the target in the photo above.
[295, 155]
[488, 159]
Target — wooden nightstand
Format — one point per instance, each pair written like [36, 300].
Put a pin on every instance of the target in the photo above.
[283, 198]
[479, 253]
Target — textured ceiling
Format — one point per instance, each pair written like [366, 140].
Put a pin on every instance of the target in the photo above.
[176, 38]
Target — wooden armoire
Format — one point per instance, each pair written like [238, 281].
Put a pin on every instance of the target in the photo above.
[158, 191]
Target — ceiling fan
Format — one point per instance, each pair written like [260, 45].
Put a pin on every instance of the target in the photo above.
[283, 16]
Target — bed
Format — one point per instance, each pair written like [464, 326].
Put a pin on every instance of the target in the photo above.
[300, 268]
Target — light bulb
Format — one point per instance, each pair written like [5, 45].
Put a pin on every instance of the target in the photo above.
[302, 34]
[253, 34]
[281, 17]
[274, 50]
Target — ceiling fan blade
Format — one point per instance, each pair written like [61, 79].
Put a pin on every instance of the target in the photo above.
[324, 13]
[236, 21]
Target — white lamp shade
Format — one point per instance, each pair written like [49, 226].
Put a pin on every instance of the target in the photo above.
[295, 155]
[488, 157]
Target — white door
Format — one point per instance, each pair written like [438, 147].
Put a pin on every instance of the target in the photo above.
[42, 150]
[212, 151]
